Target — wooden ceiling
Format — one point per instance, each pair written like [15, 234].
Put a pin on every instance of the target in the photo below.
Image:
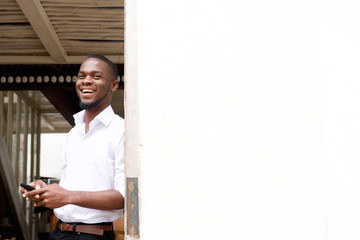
[56, 33]
[60, 31]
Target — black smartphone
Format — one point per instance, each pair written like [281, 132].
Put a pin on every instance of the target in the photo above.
[27, 186]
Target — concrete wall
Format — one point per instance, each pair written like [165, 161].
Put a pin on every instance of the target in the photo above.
[243, 118]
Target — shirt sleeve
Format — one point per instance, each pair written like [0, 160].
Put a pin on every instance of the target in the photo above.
[119, 178]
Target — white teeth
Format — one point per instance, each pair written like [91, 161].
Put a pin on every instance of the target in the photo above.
[87, 91]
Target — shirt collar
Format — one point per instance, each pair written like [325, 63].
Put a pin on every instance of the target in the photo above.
[105, 116]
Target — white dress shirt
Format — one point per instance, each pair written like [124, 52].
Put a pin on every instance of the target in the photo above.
[93, 162]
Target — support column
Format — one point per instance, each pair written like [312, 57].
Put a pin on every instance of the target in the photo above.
[37, 165]
[2, 122]
[10, 123]
[18, 131]
[32, 163]
[25, 153]
[38, 138]
[132, 142]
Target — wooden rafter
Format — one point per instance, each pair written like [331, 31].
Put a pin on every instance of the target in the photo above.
[24, 59]
[40, 22]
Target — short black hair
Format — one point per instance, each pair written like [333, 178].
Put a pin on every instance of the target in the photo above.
[112, 66]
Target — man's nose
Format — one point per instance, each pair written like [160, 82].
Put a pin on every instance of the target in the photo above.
[88, 79]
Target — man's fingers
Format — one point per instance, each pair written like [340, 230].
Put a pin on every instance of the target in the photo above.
[34, 193]
[39, 204]
[39, 184]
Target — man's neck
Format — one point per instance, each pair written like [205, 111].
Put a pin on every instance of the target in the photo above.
[90, 114]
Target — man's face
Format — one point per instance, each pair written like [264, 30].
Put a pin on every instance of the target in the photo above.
[94, 85]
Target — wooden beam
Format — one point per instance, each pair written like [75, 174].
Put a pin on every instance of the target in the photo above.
[91, 25]
[118, 18]
[104, 31]
[10, 12]
[117, 59]
[5, 8]
[25, 47]
[54, 11]
[31, 103]
[97, 3]
[78, 59]
[66, 102]
[13, 19]
[94, 36]
[7, 3]
[38, 19]
[100, 44]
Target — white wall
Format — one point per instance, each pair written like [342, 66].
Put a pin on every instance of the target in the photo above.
[246, 120]
[340, 50]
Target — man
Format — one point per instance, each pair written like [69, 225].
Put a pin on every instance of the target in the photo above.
[90, 195]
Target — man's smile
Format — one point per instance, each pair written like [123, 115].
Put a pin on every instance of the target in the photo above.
[86, 92]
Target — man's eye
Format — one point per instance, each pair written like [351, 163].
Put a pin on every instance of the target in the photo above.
[97, 76]
[80, 76]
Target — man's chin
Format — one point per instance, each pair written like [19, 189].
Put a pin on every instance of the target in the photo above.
[85, 106]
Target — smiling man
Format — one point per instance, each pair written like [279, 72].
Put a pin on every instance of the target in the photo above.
[90, 195]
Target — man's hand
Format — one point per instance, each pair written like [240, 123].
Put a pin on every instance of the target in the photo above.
[50, 196]
[55, 196]
[37, 185]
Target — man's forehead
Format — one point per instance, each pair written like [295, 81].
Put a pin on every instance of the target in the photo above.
[94, 65]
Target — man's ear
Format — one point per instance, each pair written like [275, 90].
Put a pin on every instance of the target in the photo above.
[114, 85]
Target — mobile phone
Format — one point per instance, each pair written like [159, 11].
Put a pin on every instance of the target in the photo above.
[27, 186]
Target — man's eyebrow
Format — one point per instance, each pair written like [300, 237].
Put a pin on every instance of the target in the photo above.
[91, 71]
